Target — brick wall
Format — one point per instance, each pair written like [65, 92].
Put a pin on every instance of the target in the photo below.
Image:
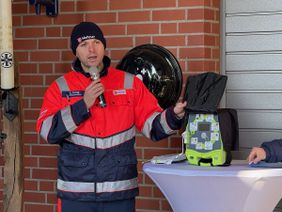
[188, 28]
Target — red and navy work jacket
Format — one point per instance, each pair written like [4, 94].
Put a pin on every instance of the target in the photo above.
[97, 159]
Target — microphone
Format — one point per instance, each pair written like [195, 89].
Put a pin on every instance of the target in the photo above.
[94, 73]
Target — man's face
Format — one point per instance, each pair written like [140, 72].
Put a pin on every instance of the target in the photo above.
[90, 53]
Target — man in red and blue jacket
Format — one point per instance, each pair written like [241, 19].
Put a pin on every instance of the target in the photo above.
[97, 164]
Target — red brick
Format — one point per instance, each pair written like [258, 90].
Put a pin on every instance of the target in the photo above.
[143, 29]
[31, 185]
[210, 65]
[202, 14]
[17, 21]
[34, 91]
[210, 40]
[168, 28]
[26, 150]
[199, 52]
[66, 31]
[139, 153]
[24, 102]
[176, 142]
[168, 15]
[102, 18]
[35, 103]
[30, 114]
[215, 28]
[192, 27]
[67, 55]
[27, 173]
[159, 4]
[192, 3]
[30, 161]
[216, 53]
[52, 198]
[165, 206]
[68, 19]
[176, 40]
[21, 56]
[145, 142]
[118, 54]
[121, 42]
[145, 191]
[38, 207]
[34, 197]
[32, 20]
[29, 32]
[19, 8]
[53, 32]
[148, 204]
[157, 193]
[31, 80]
[135, 16]
[195, 13]
[196, 40]
[50, 174]
[124, 4]
[66, 6]
[17, 1]
[196, 65]
[45, 68]
[47, 185]
[215, 3]
[30, 137]
[88, 5]
[25, 44]
[114, 30]
[48, 162]
[27, 68]
[45, 56]
[46, 150]
[140, 40]
[53, 44]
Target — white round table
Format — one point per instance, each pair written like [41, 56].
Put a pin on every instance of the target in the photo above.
[235, 188]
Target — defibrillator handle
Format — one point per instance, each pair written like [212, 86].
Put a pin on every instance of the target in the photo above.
[205, 162]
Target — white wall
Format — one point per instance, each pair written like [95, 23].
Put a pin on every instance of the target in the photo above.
[251, 57]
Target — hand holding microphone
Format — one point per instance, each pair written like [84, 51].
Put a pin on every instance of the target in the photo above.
[93, 88]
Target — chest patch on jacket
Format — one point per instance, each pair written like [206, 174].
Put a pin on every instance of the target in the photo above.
[70, 94]
[119, 92]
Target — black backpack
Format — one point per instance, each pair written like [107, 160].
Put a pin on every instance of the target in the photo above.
[228, 121]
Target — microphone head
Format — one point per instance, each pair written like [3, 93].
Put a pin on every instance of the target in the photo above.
[94, 72]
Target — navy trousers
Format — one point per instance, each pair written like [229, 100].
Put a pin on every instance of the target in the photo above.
[127, 205]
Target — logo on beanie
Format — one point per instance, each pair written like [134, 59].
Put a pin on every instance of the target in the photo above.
[83, 38]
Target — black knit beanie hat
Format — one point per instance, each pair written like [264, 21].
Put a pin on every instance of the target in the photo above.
[85, 31]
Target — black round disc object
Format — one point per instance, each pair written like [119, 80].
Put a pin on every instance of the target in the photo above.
[158, 69]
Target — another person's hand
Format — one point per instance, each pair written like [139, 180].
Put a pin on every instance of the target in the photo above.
[257, 154]
[91, 93]
[179, 109]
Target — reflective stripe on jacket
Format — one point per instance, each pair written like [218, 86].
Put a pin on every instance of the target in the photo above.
[97, 160]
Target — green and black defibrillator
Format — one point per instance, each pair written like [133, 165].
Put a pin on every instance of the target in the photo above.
[203, 140]
[210, 133]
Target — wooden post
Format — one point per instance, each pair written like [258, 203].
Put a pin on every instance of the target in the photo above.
[13, 174]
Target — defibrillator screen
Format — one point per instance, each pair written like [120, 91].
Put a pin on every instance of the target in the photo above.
[204, 126]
